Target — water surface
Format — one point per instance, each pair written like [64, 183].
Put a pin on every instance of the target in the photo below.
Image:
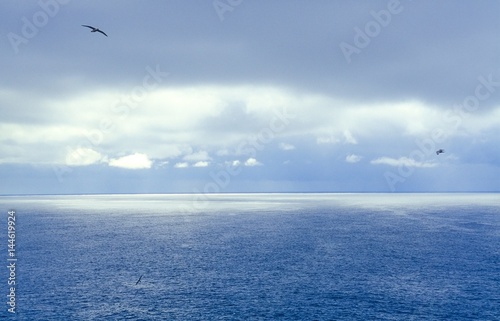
[257, 256]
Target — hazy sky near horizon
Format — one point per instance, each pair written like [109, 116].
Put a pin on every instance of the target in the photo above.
[249, 96]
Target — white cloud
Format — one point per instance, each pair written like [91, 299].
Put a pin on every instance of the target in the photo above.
[252, 162]
[201, 164]
[222, 152]
[82, 157]
[233, 163]
[181, 165]
[402, 161]
[327, 140]
[352, 158]
[349, 139]
[285, 146]
[199, 156]
[161, 164]
[134, 161]
[345, 137]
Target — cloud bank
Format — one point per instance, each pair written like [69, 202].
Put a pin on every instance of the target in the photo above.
[271, 95]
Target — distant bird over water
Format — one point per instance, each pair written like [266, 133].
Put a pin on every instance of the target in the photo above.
[138, 281]
[95, 29]
[439, 151]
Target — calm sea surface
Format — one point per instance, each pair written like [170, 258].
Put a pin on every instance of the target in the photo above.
[254, 257]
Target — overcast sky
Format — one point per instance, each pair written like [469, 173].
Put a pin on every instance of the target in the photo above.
[249, 96]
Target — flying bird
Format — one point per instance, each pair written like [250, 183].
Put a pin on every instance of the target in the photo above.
[439, 151]
[95, 29]
[138, 281]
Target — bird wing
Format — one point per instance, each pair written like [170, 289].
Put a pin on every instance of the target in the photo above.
[101, 32]
[88, 26]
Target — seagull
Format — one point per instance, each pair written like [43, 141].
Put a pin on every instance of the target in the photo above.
[95, 29]
[138, 281]
[439, 151]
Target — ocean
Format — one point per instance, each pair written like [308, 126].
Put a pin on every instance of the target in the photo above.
[251, 257]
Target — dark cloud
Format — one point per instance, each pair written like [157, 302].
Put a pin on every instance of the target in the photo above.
[429, 51]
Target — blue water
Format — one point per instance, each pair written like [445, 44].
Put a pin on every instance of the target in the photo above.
[256, 257]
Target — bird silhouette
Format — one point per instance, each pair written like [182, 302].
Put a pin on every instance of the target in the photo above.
[439, 151]
[94, 29]
[138, 281]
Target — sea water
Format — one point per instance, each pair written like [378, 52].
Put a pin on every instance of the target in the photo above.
[254, 257]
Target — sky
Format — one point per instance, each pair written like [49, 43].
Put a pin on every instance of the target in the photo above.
[249, 96]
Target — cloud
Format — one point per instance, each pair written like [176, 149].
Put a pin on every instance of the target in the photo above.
[134, 161]
[223, 91]
[402, 161]
[252, 162]
[161, 164]
[344, 137]
[285, 146]
[82, 157]
[199, 156]
[181, 165]
[233, 163]
[327, 140]
[222, 152]
[349, 139]
[352, 158]
[201, 164]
